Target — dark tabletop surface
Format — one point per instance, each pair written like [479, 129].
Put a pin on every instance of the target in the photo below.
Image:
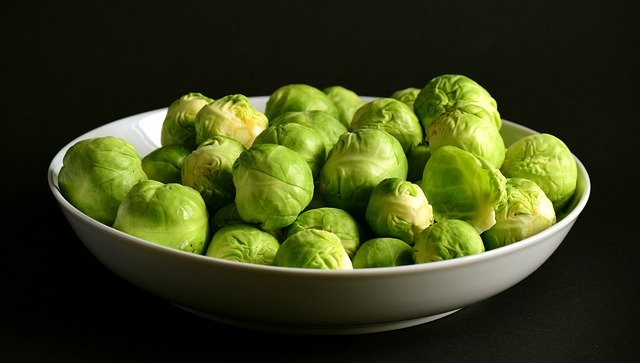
[567, 68]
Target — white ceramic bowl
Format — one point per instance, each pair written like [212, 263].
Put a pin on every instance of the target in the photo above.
[307, 301]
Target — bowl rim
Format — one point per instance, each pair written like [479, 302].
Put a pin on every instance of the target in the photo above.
[565, 222]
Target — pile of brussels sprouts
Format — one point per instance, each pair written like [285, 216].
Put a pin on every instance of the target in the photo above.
[322, 179]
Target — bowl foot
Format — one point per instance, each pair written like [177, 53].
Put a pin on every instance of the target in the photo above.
[316, 329]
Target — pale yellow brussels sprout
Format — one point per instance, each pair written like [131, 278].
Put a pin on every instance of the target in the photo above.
[383, 252]
[232, 116]
[207, 169]
[243, 243]
[97, 173]
[313, 248]
[346, 100]
[547, 161]
[172, 215]
[299, 97]
[178, 126]
[398, 208]
[450, 91]
[470, 128]
[527, 211]
[392, 116]
[445, 240]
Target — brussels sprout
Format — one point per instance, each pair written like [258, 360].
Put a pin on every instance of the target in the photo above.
[470, 128]
[164, 164]
[97, 173]
[243, 243]
[527, 211]
[383, 252]
[172, 215]
[356, 164]
[460, 185]
[407, 95]
[273, 185]
[299, 97]
[318, 201]
[398, 208]
[547, 161]
[228, 215]
[313, 248]
[392, 116]
[207, 169]
[447, 239]
[178, 126]
[224, 216]
[417, 158]
[450, 91]
[327, 126]
[346, 101]
[300, 138]
[232, 116]
[334, 220]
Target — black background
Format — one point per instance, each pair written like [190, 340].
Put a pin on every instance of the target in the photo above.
[568, 68]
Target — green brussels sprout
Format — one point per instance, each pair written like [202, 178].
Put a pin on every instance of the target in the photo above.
[224, 216]
[228, 215]
[356, 164]
[346, 100]
[97, 173]
[547, 161]
[450, 91]
[313, 248]
[407, 95]
[327, 126]
[383, 252]
[243, 243]
[392, 116]
[417, 158]
[207, 169]
[470, 128]
[334, 220]
[300, 138]
[172, 215]
[232, 116]
[273, 185]
[164, 164]
[318, 201]
[178, 126]
[460, 185]
[527, 211]
[398, 208]
[447, 239]
[299, 97]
